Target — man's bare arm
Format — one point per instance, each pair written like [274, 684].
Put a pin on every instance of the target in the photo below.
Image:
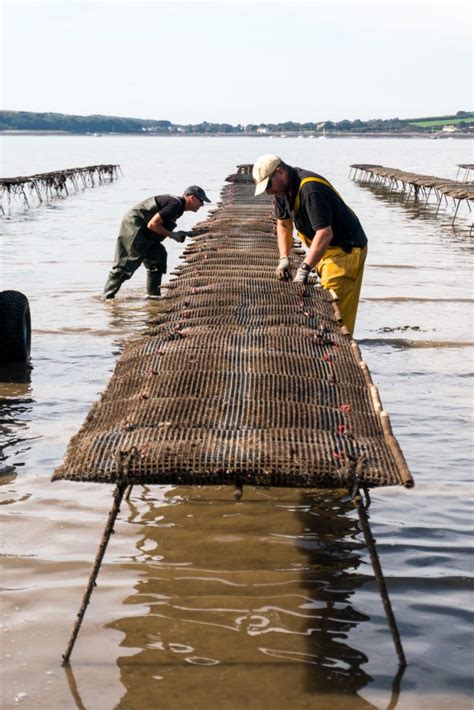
[284, 231]
[320, 243]
[156, 225]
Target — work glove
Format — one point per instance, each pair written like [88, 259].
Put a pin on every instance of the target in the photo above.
[283, 270]
[302, 274]
[179, 236]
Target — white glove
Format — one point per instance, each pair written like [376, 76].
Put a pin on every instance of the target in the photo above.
[283, 270]
[303, 273]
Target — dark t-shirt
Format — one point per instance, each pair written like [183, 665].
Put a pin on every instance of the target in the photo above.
[320, 206]
[169, 207]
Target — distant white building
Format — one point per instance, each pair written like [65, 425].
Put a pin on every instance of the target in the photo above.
[262, 129]
[449, 129]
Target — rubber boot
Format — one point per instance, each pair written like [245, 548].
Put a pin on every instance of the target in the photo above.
[153, 283]
[113, 283]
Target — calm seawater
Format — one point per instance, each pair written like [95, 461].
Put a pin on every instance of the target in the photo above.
[204, 602]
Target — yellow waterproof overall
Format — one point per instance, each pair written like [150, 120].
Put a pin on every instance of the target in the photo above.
[337, 269]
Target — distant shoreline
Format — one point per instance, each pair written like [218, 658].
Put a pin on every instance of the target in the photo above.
[329, 136]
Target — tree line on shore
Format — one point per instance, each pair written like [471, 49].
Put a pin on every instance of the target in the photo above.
[55, 122]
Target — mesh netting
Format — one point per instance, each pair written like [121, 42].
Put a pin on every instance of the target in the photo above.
[240, 379]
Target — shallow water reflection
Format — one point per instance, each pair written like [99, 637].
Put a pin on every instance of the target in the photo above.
[264, 589]
[16, 405]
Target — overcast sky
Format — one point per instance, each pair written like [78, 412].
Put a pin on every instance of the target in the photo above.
[237, 62]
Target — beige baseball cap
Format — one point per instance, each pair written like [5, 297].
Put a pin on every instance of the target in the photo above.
[262, 169]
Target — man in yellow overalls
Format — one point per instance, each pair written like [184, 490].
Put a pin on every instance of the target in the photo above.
[337, 244]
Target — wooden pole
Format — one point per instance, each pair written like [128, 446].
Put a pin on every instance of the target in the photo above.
[108, 531]
[370, 542]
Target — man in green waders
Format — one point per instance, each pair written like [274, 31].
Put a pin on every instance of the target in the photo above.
[336, 241]
[142, 231]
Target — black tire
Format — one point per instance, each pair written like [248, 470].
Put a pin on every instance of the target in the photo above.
[15, 327]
